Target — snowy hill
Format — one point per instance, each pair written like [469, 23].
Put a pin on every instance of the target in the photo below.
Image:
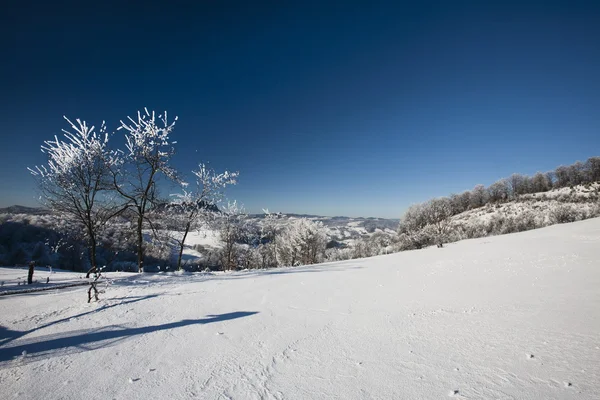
[529, 211]
[508, 316]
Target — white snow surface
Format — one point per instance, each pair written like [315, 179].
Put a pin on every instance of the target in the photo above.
[504, 317]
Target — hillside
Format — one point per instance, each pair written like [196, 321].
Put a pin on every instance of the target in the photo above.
[529, 211]
[500, 317]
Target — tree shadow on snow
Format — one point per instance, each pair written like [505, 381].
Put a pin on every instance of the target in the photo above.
[85, 340]
[8, 335]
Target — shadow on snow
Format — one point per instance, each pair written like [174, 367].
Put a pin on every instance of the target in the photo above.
[85, 340]
[7, 335]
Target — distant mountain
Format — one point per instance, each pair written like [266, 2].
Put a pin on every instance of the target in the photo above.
[16, 209]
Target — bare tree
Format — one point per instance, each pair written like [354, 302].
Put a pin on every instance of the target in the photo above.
[149, 151]
[478, 196]
[498, 191]
[76, 183]
[593, 169]
[517, 185]
[192, 207]
[577, 173]
[551, 177]
[465, 201]
[540, 183]
[563, 177]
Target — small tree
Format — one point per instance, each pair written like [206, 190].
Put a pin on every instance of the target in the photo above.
[149, 151]
[192, 207]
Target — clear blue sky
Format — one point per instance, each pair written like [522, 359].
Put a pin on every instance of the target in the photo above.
[342, 109]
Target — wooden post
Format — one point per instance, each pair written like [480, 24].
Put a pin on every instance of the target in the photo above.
[30, 274]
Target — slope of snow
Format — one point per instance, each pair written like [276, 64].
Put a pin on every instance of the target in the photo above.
[505, 317]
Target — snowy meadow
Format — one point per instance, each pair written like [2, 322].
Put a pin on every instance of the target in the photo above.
[507, 316]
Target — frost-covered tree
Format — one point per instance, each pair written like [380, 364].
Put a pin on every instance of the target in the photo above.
[437, 214]
[192, 207]
[563, 177]
[76, 182]
[517, 184]
[592, 166]
[412, 224]
[233, 228]
[464, 201]
[270, 229]
[478, 196]
[149, 150]
[577, 173]
[302, 242]
[551, 177]
[540, 183]
[498, 191]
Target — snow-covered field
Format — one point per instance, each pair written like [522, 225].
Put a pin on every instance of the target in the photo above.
[505, 317]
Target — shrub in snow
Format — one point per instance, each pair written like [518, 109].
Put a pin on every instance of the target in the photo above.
[338, 254]
[563, 214]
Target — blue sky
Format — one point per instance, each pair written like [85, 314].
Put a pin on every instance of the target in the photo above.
[339, 109]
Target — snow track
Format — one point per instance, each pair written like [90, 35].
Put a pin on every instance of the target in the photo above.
[507, 317]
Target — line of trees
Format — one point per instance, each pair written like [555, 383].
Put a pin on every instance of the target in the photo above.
[426, 223]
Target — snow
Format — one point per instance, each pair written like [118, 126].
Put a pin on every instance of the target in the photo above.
[512, 316]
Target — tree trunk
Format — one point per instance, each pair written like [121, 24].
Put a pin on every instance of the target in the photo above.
[30, 273]
[92, 243]
[181, 245]
[140, 245]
